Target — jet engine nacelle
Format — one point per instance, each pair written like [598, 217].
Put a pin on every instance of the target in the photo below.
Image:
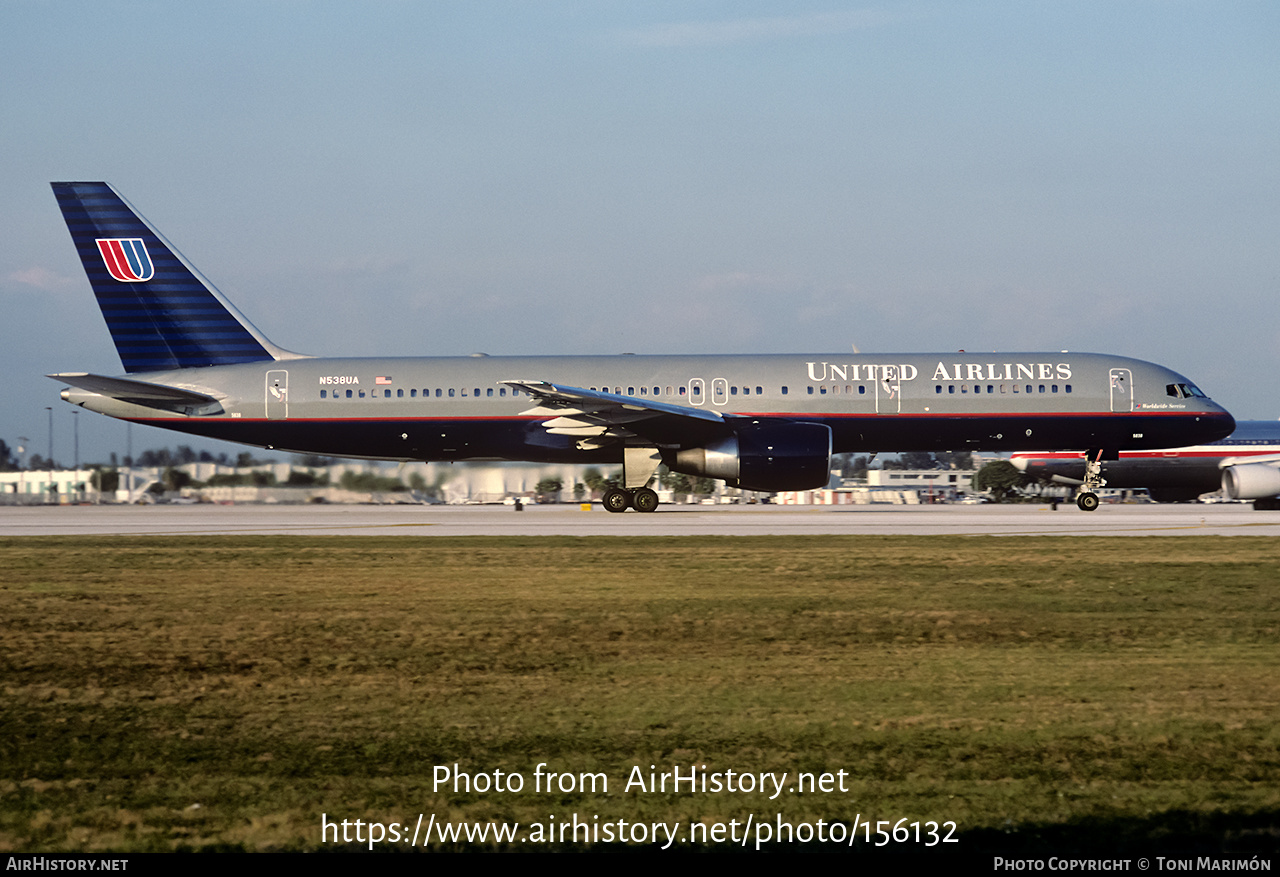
[1251, 481]
[764, 456]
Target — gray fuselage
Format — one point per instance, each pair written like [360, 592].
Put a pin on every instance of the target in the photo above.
[458, 408]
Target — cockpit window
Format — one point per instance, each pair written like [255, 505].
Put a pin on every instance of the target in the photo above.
[1184, 391]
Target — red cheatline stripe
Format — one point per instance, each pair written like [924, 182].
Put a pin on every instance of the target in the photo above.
[1224, 451]
[785, 415]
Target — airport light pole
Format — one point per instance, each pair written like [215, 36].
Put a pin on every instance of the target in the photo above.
[50, 461]
[22, 451]
[75, 432]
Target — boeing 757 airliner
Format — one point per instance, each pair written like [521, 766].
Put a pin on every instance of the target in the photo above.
[195, 364]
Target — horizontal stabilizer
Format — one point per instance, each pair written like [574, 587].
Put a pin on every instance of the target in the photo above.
[140, 392]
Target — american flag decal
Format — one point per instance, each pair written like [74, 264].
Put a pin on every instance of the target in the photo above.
[382, 380]
[127, 259]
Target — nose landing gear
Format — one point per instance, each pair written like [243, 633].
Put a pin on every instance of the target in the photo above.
[1087, 499]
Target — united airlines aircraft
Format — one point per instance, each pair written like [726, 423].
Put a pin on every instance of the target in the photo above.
[1244, 465]
[194, 363]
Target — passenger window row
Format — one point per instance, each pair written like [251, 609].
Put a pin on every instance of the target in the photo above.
[439, 392]
[822, 390]
[1003, 388]
[501, 392]
[675, 391]
[835, 390]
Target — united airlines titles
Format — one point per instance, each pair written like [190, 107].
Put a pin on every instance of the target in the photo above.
[860, 371]
[946, 371]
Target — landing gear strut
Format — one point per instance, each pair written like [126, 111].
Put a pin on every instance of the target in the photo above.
[1087, 499]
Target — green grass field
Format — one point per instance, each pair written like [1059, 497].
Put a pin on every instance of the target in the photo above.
[225, 692]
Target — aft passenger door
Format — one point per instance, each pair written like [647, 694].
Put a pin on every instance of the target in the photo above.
[277, 395]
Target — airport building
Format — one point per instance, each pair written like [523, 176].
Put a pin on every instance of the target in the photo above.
[40, 486]
[945, 484]
[888, 486]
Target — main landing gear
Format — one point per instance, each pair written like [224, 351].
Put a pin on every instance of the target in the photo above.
[617, 499]
[1086, 499]
[638, 465]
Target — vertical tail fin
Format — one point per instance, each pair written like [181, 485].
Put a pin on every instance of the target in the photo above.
[161, 312]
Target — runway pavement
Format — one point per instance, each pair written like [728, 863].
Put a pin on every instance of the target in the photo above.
[570, 520]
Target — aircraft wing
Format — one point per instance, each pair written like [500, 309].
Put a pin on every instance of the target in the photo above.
[139, 392]
[597, 419]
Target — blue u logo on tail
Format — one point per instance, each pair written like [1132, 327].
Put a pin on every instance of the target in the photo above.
[127, 259]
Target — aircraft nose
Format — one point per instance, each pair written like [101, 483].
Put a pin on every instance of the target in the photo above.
[1220, 421]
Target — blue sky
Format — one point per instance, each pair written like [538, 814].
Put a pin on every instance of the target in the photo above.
[419, 178]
